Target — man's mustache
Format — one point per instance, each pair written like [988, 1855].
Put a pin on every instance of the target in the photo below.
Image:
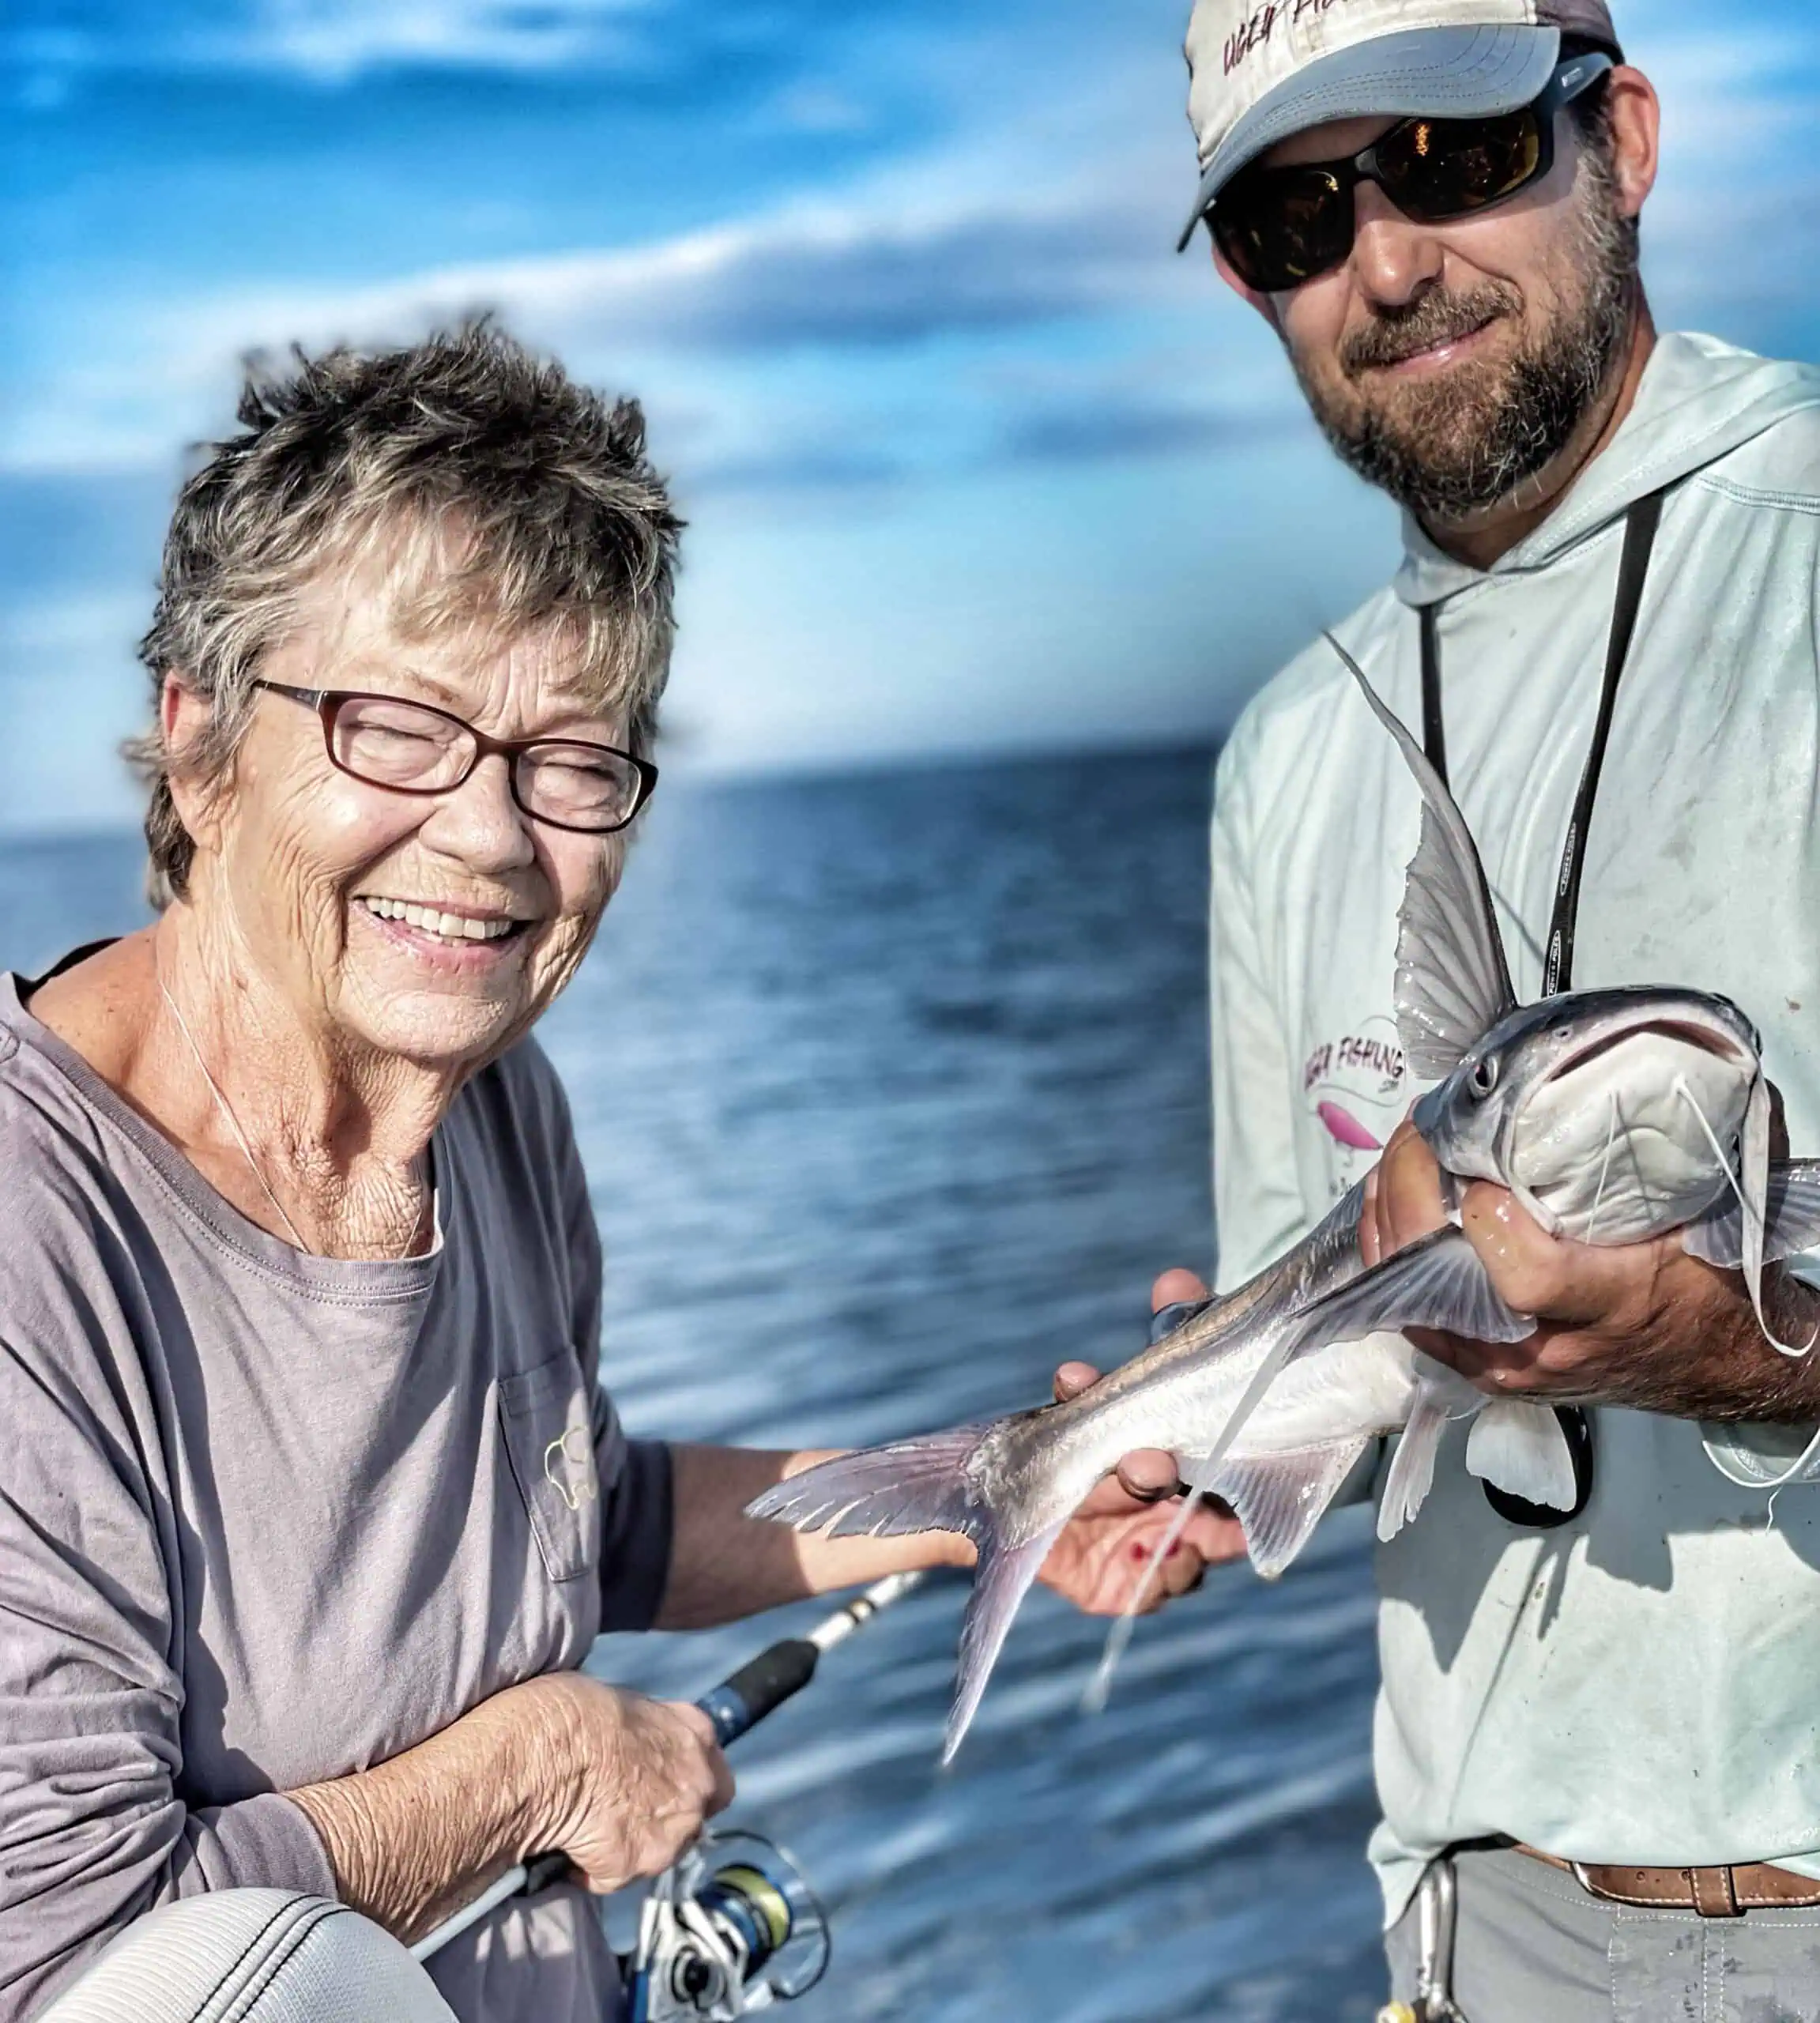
[1436, 318]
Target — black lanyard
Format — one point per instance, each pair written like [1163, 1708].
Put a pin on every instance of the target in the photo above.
[1639, 527]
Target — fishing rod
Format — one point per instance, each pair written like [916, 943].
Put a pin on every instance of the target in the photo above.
[733, 1926]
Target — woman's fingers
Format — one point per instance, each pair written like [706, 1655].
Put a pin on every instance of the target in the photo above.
[647, 1776]
[1148, 1474]
[720, 1793]
[1175, 1288]
[1073, 1378]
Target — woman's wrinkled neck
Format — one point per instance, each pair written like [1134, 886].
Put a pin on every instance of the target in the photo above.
[339, 1132]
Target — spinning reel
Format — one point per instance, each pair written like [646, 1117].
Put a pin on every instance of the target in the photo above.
[732, 1928]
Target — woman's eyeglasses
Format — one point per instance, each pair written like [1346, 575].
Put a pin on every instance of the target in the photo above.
[1279, 228]
[411, 748]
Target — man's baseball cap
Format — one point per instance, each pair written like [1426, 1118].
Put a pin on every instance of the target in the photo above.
[1261, 69]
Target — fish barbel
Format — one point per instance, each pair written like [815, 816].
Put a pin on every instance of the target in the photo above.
[1613, 1115]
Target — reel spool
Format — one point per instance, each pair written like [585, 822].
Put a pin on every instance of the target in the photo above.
[732, 1928]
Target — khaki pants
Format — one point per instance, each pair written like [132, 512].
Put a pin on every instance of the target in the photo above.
[1533, 1947]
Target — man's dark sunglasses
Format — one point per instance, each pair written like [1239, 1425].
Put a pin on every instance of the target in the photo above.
[414, 747]
[1279, 227]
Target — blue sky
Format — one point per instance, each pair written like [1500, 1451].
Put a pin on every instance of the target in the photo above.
[972, 461]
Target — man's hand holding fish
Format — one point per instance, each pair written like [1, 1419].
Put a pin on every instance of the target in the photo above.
[1644, 1325]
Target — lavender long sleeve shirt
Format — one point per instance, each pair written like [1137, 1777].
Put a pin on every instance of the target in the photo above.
[266, 1519]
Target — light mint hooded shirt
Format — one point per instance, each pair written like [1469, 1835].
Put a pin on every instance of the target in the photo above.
[1642, 1685]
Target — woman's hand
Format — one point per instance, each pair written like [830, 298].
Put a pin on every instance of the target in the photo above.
[643, 1778]
[562, 1763]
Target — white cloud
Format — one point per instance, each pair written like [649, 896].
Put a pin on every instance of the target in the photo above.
[337, 39]
[874, 272]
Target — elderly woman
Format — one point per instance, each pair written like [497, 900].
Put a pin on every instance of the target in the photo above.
[310, 1503]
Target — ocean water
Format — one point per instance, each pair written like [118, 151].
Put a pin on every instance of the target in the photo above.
[892, 1091]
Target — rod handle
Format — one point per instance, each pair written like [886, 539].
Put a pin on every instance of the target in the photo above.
[758, 1687]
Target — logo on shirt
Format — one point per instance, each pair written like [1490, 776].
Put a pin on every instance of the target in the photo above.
[1355, 1086]
[569, 1466]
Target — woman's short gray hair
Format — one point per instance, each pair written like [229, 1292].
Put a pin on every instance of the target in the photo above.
[539, 488]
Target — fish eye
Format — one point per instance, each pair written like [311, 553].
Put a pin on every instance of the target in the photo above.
[1483, 1078]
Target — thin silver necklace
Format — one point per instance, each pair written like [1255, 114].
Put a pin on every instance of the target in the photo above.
[233, 1122]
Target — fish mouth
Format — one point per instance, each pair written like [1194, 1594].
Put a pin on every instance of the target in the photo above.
[1587, 1164]
[1713, 1039]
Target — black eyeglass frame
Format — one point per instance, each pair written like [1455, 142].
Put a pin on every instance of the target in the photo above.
[1573, 77]
[328, 704]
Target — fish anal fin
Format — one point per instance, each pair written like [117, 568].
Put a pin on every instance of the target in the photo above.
[1279, 1498]
[1521, 1449]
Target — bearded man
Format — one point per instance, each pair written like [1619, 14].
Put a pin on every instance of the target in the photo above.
[1600, 1730]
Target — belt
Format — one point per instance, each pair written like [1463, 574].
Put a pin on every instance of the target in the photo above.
[1713, 1892]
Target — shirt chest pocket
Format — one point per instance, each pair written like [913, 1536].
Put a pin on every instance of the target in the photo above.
[550, 1444]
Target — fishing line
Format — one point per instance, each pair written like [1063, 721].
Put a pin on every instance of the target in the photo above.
[1604, 1168]
[1752, 1214]
[1118, 1639]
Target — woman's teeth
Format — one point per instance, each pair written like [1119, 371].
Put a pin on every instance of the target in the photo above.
[447, 926]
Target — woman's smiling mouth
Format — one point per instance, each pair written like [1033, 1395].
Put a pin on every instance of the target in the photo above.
[465, 934]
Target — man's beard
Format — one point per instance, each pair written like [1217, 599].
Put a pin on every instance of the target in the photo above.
[1449, 446]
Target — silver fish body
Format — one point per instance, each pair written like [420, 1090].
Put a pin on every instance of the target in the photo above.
[1011, 1485]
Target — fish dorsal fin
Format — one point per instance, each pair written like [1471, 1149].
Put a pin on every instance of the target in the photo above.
[1453, 981]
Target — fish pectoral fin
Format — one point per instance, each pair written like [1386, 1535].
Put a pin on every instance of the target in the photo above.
[1791, 1219]
[1751, 1184]
[1279, 1498]
[1452, 980]
[1411, 1475]
[1437, 1282]
[1522, 1450]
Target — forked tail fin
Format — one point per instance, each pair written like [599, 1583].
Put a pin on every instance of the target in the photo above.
[929, 1485]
